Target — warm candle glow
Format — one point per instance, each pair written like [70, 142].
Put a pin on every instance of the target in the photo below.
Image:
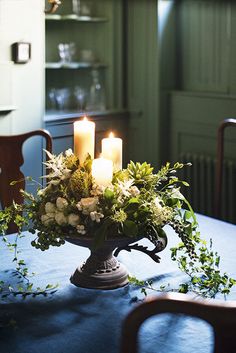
[102, 171]
[84, 139]
[112, 149]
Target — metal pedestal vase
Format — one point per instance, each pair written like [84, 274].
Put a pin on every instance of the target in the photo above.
[102, 270]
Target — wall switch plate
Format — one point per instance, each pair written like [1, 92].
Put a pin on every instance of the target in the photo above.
[21, 52]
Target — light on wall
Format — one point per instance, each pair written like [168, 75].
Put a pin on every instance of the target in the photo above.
[54, 5]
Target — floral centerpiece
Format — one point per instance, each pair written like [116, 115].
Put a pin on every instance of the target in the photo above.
[95, 203]
[136, 203]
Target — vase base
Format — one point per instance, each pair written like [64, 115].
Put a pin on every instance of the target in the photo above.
[111, 279]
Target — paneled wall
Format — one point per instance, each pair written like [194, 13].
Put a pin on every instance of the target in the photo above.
[205, 45]
[142, 80]
[205, 86]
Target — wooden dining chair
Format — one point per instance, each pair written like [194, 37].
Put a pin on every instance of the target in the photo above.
[226, 123]
[220, 315]
[11, 160]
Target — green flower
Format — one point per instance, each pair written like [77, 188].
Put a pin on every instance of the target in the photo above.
[119, 216]
[80, 184]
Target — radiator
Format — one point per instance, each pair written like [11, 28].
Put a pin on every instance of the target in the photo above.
[201, 177]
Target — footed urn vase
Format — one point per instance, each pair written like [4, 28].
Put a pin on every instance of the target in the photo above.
[102, 270]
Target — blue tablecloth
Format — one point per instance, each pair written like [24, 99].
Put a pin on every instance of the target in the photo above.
[78, 320]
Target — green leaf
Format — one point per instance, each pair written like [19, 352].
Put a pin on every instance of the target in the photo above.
[187, 215]
[108, 194]
[132, 205]
[183, 288]
[161, 233]
[130, 228]
[101, 234]
[133, 200]
[14, 182]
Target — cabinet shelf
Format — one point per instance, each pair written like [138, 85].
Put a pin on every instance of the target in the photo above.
[7, 109]
[52, 116]
[74, 65]
[74, 17]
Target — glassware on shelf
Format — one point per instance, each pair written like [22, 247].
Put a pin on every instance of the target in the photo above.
[96, 100]
[76, 7]
[52, 99]
[86, 8]
[87, 55]
[81, 98]
[82, 7]
[66, 52]
[62, 98]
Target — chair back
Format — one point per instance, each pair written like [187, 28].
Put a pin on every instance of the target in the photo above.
[226, 123]
[11, 159]
[220, 315]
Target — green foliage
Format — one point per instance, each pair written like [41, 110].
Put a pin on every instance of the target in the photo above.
[139, 172]
[24, 287]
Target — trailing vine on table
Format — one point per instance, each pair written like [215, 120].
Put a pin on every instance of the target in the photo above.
[24, 286]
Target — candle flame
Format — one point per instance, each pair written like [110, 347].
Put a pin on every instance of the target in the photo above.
[111, 135]
[85, 118]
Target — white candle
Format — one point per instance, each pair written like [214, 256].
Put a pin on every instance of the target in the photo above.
[112, 149]
[102, 171]
[84, 139]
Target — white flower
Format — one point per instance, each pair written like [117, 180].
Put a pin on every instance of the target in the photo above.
[87, 205]
[58, 168]
[73, 219]
[158, 205]
[81, 229]
[134, 190]
[48, 218]
[41, 192]
[68, 152]
[50, 207]
[97, 190]
[79, 206]
[60, 218]
[61, 203]
[96, 216]
[123, 187]
[176, 194]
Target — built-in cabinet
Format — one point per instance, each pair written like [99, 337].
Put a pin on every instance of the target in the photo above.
[96, 37]
[95, 40]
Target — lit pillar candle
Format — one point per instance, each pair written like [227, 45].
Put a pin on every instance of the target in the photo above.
[102, 171]
[112, 149]
[84, 139]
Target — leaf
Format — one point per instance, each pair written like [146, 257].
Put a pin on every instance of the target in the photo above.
[133, 200]
[130, 228]
[101, 234]
[187, 215]
[183, 288]
[132, 205]
[108, 194]
[14, 182]
[161, 233]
